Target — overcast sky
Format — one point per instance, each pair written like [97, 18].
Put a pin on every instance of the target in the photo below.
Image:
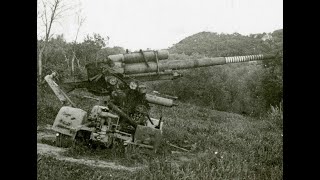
[158, 24]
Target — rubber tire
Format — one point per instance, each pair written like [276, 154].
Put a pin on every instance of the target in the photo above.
[63, 141]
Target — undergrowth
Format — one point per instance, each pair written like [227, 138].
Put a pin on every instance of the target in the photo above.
[222, 145]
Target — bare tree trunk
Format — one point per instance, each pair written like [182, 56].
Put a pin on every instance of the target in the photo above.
[72, 64]
[78, 62]
[40, 64]
[40, 55]
[80, 21]
[67, 60]
[55, 10]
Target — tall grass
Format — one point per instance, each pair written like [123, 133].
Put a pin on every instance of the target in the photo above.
[234, 88]
[275, 115]
[223, 146]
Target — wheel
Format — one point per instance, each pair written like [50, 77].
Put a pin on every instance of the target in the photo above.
[82, 138]
[63, 140]
[93, 144]
[108, 141]
[140, 115]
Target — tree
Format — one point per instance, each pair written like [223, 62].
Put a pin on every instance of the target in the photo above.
[49, 12]
[91, 45]
[80, 20]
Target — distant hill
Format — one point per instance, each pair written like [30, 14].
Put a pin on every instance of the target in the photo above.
[247, 88]
[212, 44]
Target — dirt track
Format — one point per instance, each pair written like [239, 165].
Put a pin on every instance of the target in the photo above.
[56, 152]
[45, 133]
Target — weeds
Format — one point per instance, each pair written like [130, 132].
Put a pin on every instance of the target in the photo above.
[224, 146]
[275, 115]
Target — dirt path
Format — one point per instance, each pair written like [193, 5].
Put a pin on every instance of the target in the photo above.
[57, 152]
[45, 133]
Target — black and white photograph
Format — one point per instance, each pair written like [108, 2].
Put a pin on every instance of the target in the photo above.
[159, 89]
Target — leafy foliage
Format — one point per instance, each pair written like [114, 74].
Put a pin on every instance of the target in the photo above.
[226, 145]
[223, 146]
[247, 88]
[60, 54]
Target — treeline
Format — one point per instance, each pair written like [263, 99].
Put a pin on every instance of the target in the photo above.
[69, 59]
[247, 88]
[213, 44]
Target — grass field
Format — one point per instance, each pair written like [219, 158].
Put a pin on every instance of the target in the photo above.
[223, 146]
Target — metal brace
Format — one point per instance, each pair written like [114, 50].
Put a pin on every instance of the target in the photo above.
[145, 60]
[157, 60]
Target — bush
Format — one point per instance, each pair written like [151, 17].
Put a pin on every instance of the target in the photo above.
[275, 115]
[231, 87]
[246, 88]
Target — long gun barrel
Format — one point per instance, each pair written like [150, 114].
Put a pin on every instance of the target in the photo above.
[163, 65]
[146, 64]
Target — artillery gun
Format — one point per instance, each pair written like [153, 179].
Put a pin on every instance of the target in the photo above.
[124, 110]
